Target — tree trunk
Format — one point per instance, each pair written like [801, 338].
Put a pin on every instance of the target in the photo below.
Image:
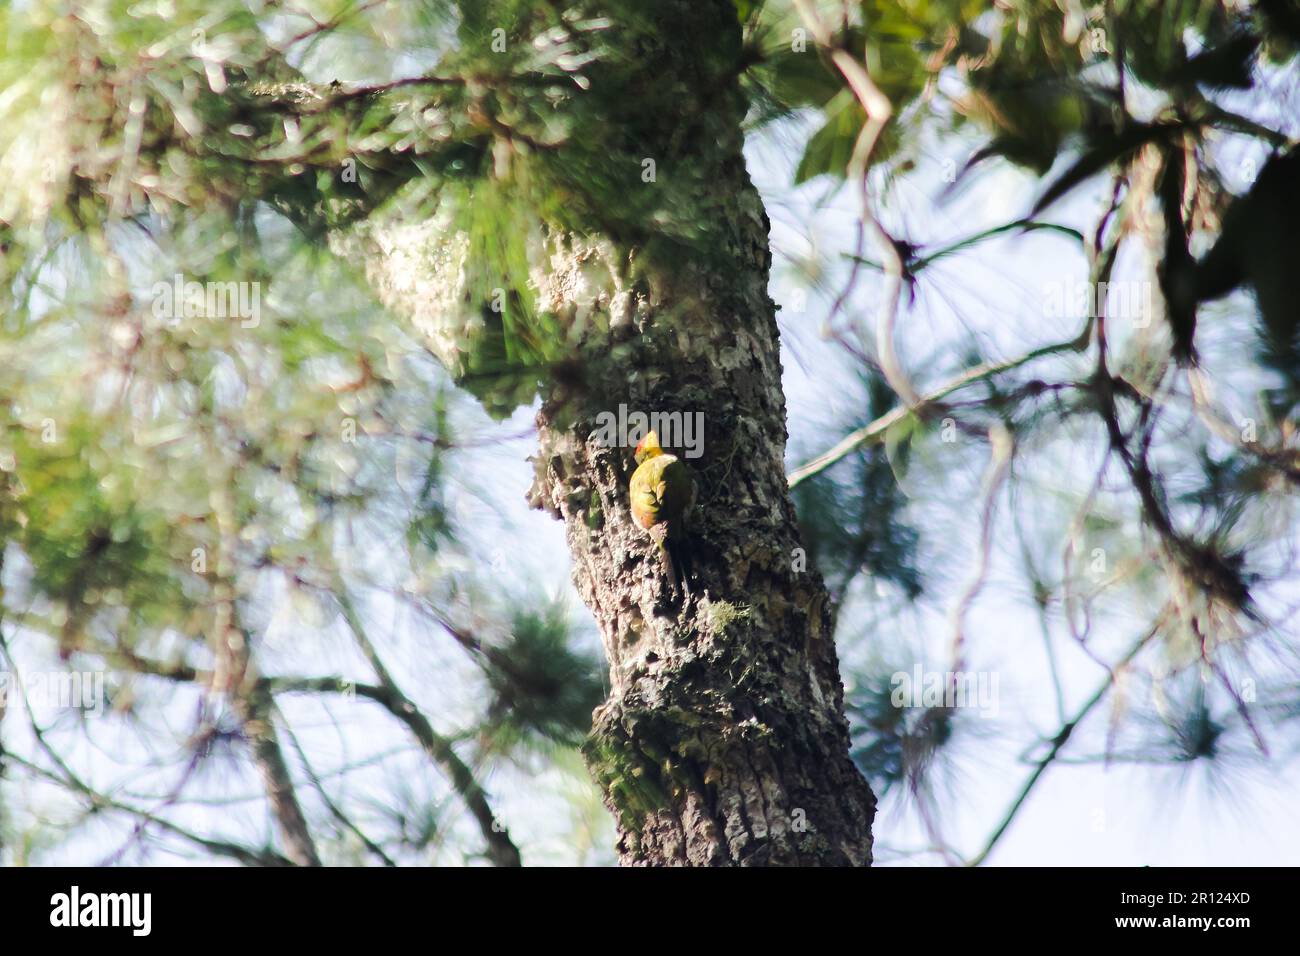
[723, 741]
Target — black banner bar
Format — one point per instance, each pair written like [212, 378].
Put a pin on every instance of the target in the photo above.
[337, 906]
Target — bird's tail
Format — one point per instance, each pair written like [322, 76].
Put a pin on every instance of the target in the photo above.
[674, 563]
[679, 573]
[667, 566]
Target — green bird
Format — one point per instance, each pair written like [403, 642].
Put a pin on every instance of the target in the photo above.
[661, 495]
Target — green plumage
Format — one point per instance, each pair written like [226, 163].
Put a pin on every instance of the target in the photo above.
[661, 495]
[662, 491]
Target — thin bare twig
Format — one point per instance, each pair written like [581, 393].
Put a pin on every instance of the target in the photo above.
[878, 110]
[1001, 449]
[876, 429]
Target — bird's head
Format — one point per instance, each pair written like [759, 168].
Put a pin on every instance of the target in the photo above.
[647, 447]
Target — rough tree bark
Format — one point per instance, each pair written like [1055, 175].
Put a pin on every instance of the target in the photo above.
[723, 741]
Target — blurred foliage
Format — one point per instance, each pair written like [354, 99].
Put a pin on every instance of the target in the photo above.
[168, 476]
[852, 517]
[895, 746]
[1179, 111]
[541, 688]
[547, 122]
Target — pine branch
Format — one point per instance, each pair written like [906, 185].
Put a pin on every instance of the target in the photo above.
[1059, 741]
[876, 429]
[501, 849]
[255, 710]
